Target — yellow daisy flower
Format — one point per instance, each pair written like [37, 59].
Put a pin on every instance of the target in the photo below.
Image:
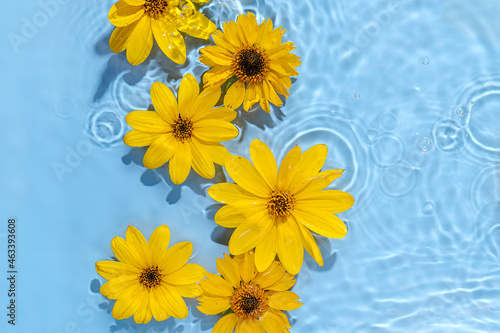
[255, 57]
[186, 131]
[137, 21]
[252, 300]
[273, 210]
[150, 280]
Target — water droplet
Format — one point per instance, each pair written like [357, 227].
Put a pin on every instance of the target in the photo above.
[424, 144]
[460, 112]
[472, 102]
[425, 62]
[428, 208]
[356, 94]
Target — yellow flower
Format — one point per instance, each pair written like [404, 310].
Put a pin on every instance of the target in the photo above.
[186, 131]
[254, 299]
[273, 211]
[252, 54]
[150, 280]
[137, 21]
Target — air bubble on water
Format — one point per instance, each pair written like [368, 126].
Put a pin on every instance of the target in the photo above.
[460, 112]
[424, 144]
[428, 208]
[425, 62]
[356, 94]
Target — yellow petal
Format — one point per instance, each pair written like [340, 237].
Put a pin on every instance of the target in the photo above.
[229, 217]
[321, 222]
[270, 94]
[188, 274]
[164, 102]
[221, 113]
[265, 252]
[170, 300]
[250, 233]
[247, 28]
[214, 284]
[310, 244]
[226, 324]
[214, 130]
[202, 162]
[122, 14]
[235, 95]
[140, 42]
[197, 25]
[158, 243]
[221, 39]
[213, 305]
[135, 238]
[136, 138]
[114, 287]
[126, 253]
[143, 314]
[284, 300]
[264, 162]
[176, 257]
[249, 326]
[246, 175]
[189, 290]
[311, 163]
[216, 54]
[288, 167]
[285, 283]
[270, 276]
[204, 103]
[216, 76]
[229, 193]
[129, 302]
[247, 267]
[135, 2]
[110, 269]
[169, 40]
[319, 181]
[289, 244]
[147, 121]
[282, 67]
[119, 38]
[180, 164]
[252, 96]
[331, 200]
[160, 151]
[188, 93]
[273, 323]
[217, 151]
[158, 312]
[229, 269]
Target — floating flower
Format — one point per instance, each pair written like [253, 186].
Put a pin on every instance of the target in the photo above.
[150, 280]
[186, 131]
[253, 55]
[273, 211]
[252, 300]
[137, 21]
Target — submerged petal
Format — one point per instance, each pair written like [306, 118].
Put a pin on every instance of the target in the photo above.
[169, 40]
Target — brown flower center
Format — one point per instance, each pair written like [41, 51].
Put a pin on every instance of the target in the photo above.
[249, 301]
[150, 277]
[155, 9]
[182, 129]
[250, 64]
[280, 203]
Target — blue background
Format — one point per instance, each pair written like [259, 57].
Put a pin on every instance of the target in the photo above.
[405, 93]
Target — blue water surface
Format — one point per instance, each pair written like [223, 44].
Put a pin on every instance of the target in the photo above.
[405, 93]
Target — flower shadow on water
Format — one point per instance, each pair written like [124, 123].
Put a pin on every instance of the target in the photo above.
[194, 181]
[127, 325]
[257, 117]
[207, 322]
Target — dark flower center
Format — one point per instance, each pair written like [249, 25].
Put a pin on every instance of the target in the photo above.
[249, 301]
[182, 129]
[280, 203]
[155, 9]
[150, 277]
[250, 64]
